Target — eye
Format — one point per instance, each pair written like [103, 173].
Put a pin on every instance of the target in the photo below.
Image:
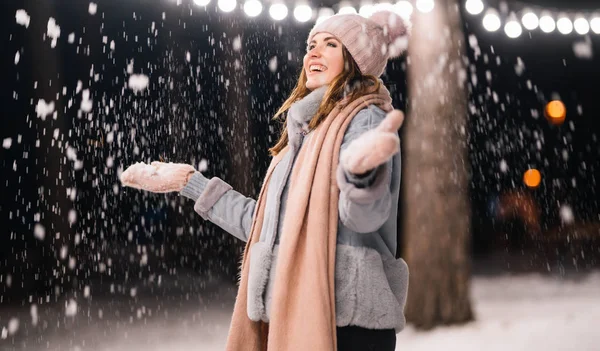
[332, 44]
[310, 47]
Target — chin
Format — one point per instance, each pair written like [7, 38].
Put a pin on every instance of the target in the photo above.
[312, 85]
[317, 80]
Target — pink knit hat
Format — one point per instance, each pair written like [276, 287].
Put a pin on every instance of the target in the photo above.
[370, 41]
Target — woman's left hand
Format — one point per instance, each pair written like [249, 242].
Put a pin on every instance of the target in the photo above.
[375, 147]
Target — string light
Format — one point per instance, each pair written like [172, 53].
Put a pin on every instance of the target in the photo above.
[491, 20]
[564, 25]
[253, 8]
[404, 8]
[547, 24]
[227, 5]
[474, 7]
[532, 19]
[595, 25]
[529, 19]
[303, 13]
[278, 11]
[425, 6]
[324, 13]
[581, 25]
[512, 28]
[366, 10]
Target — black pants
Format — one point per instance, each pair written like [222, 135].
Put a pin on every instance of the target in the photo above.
[353, 338]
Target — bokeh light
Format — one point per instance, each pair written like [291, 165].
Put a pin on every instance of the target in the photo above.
[555, 112]
[513, 29]
[474, 7]
[547, 24]
[532, 178]
[530, 21]
[253, 8]
[491, 21]
[425, 6]
[581, 25]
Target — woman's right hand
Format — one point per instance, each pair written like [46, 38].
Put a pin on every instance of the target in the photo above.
[157, 177]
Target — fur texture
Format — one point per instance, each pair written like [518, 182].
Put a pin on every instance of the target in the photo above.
[364, 195]
[211, 194]
[300, 114]
[260, 265]
[370, 291]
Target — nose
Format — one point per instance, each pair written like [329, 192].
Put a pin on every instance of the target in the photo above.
[314, 52]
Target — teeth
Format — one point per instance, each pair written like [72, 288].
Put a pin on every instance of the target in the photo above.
[317, 68]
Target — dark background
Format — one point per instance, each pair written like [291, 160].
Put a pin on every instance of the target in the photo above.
[218, 107]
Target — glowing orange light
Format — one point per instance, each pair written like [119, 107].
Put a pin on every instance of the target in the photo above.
[555, 112]
[532, 178]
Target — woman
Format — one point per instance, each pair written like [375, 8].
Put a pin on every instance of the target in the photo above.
[319, 270]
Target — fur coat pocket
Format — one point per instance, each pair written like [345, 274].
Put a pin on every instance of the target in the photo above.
[396, 271]
[370, 290]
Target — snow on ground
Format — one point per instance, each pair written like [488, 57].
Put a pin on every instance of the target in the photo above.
[527, 312]
[522, 312]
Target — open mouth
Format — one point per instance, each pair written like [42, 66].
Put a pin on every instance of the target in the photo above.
[316, 69]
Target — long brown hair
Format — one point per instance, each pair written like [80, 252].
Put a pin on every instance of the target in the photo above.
[350, 84]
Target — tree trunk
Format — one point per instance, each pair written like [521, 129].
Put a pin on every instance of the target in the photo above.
[436, 200]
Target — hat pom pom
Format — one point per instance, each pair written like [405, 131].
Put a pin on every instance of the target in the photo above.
[396, 30]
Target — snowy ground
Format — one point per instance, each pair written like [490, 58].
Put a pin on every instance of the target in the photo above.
[523, 312]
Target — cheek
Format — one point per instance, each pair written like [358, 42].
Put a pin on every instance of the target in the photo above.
[304, 61]
[339, 65]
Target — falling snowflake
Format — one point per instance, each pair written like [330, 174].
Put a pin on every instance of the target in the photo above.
[138, 82]
[583, 49]
[72, 216]
[39, 232]
[33, 311]
[43, 109]
[273, 64]
[203, 165]
[237, 43]
[53, 31]
[566, 214]
[71, 308]
[503, 166]
[93, 8]
[23, 18]
[13, 326]
[86, 102]
[519, 67]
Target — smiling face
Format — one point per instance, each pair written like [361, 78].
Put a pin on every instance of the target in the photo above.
[324, 60]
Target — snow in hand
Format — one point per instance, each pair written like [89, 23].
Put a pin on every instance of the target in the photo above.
[143, 170]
